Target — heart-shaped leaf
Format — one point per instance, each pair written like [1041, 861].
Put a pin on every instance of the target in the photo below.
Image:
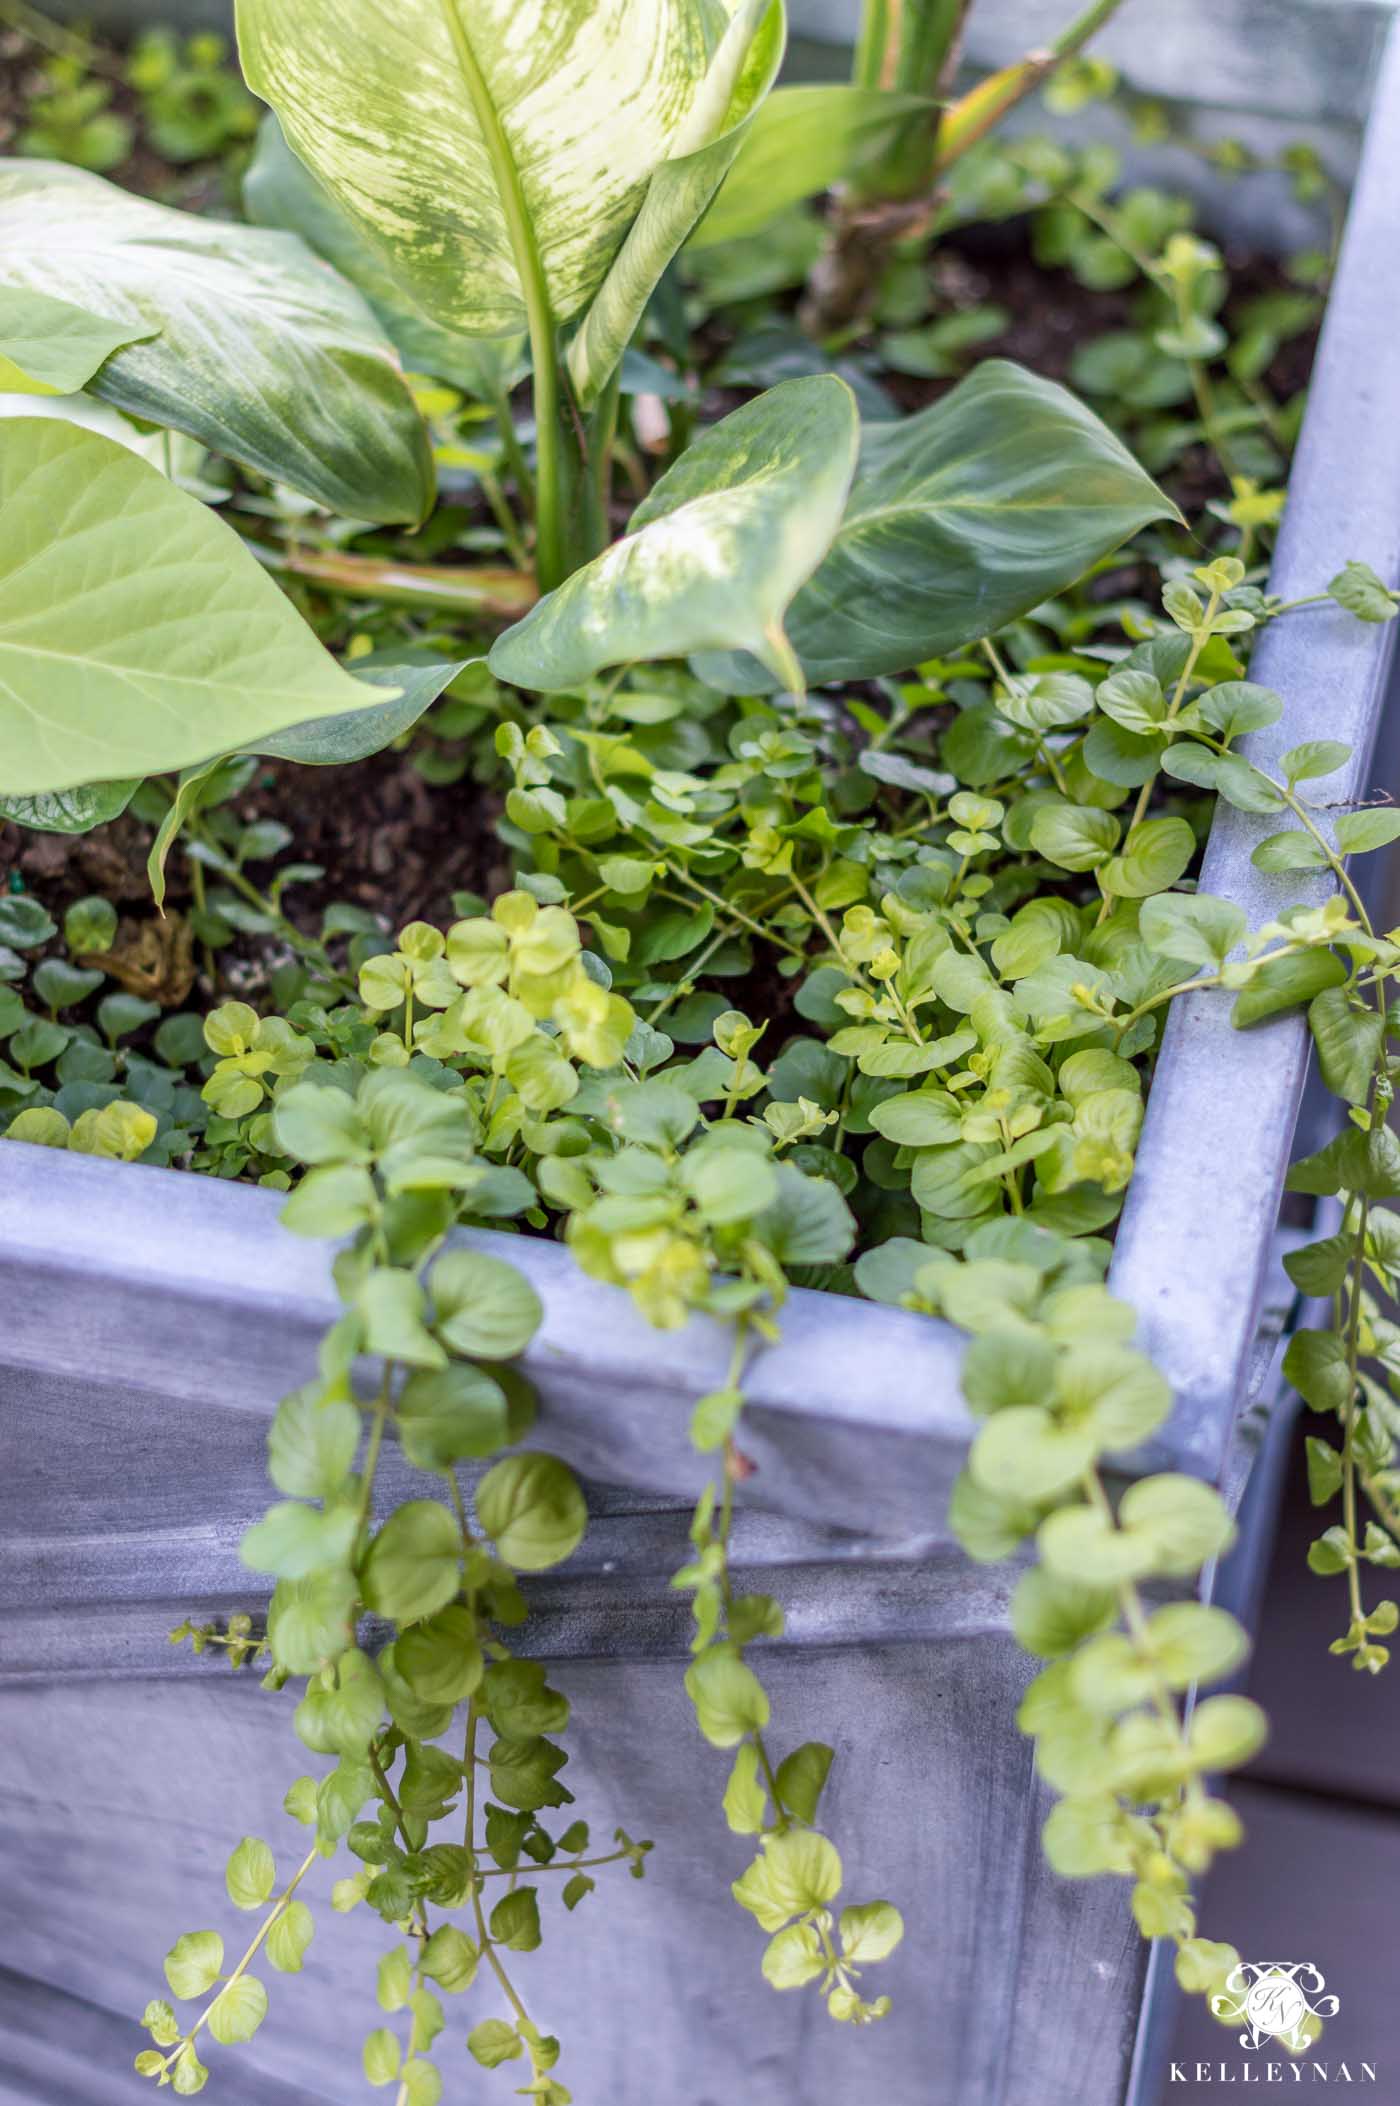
[262, 353]
[715, 553]
[962, 518]
[137, 634]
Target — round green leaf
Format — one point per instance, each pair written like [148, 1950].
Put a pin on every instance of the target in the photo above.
[413, 1565]
[533, 1511]
[1154, 856]
[1076, 837]
[484, 1305]
[289, 1938]
[1022, 1453]
[251, 1874]
[729, 1699]
[194, 1963]
[238, 2011]
[441, 1659]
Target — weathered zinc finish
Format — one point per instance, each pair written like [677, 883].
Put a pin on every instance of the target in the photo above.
[149, 1322]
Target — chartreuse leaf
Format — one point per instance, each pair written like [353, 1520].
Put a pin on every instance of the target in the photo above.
[1195, 927]
[251, 345]
[729, 1699]
[533, 1511]
[137, 634]
[484, 1305]
[50, 347]
[280, 191]
[870, 1931]
[740, 75]
[289, 1938]
[714, 554]
[251, 1874]
[238, 2011]
[412, 1567]
[962, 518]
[797, 1871]
[801, 142]
[485, 145]
[194, 1963]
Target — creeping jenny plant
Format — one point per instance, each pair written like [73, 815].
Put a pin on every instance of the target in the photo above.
[859, 987]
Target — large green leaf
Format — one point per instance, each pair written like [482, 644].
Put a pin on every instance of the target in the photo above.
[51, 347]
[137, 633]
[280, 191]
[413, 678]
[715, 553]
[492, 150]
[262, 354]
[962, 518]
[801, 142]
[730, 98]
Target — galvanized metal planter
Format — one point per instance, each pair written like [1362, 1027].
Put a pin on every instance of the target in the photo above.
[152, 1320]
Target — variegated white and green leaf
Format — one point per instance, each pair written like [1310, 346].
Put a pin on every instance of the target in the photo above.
[715, 554]
[961, 519]
[730, 100]
[49, 346]
[137, 633]
[261, 352]
[497, 153]
[280, 191]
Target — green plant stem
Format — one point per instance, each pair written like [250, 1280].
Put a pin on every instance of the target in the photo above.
[279, 1908]
[570, 1865]
[1012, 685]
[992, 100]
[483, 1934]
[550, 493]
[503, 516]
[514, 452]
[1352, 1335]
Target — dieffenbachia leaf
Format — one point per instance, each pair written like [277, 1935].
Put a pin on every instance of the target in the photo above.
[137, 634]
[961, 519]
[801, 142]
[262, 353]
[731, 96]
[280, 191]
[51, 347]
[414, 680]
[497, 152]
[75, 811]
[714, 554]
